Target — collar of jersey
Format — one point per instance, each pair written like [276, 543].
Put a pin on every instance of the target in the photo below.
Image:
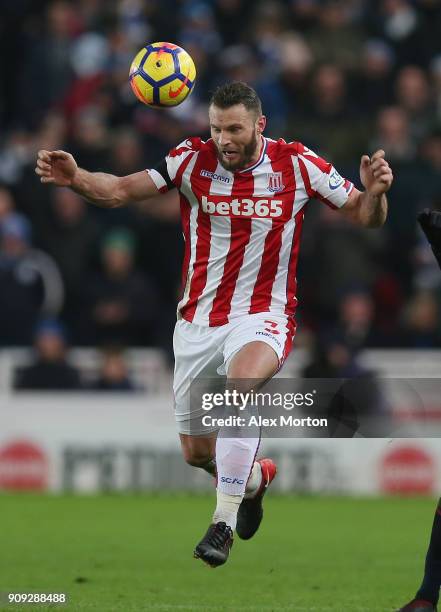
[259, 161]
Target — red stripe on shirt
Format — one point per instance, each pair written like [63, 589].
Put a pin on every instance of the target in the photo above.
[305, 176]
[181, 170]
[185, 219]
[325, 167]
[200, 265]
[262, 292]
[291, 282]
[191, 143]
[240, 236]
[315, 159]
[203, 241]
[319, 162]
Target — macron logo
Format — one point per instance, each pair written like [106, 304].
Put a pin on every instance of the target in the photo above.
[245, 207]
[232, 480]
[215, 177]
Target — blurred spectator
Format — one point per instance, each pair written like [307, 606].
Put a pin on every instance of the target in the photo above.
[90, 142]
[48, 67]
[393, 135]
[6, 205]
[435, 70]
[69, 234]
[336, 39]
[52, 132]
[330, 120]
[197, 23]
[296, 63]
[305, 14]
[240, 63]
[14, 155]
[345, 254]
[30, 282]
[356, 318]
[229, 13]
[50, 369]
[421, 322]
[268, 26]
[398, 22]
[353, 404]
[430, 154]
[414, 96]
[134, 20]
[332, 358]
[126, 153]
[122, 304]
[373, 83]
[94, 13]
[114, 374]
[89, 54]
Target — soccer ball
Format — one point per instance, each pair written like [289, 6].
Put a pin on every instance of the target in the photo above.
[162, 75]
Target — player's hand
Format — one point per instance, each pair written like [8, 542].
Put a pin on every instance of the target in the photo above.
[57, 167]
[375, 173]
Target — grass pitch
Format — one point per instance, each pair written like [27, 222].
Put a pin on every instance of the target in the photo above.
[133, 553]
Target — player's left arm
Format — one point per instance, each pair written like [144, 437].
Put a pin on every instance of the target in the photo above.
[369, 208]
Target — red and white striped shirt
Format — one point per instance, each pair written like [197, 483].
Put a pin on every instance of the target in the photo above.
[242, 229]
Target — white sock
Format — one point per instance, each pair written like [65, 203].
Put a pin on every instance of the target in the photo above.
[254, 481]
[226, 509]
[234, 460]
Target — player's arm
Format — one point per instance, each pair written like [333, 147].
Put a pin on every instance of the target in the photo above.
[369, 208]
[104, 190]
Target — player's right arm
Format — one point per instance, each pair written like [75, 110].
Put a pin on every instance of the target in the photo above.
[104, 190]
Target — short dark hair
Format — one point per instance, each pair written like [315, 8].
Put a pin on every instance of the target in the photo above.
[234, 93]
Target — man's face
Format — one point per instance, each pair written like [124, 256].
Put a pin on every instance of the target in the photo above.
[236, 133]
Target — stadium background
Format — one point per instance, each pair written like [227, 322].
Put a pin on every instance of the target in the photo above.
[345, 78]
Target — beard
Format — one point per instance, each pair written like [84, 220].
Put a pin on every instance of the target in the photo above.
[245, 156]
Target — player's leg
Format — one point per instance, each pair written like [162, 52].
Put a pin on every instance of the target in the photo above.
[427, 596]
[198, 354]
[250, 367]
[199, 451]
[197, 357]
[243, 364]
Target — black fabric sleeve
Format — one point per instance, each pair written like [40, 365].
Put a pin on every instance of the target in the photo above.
[430, 222]
[162, 169]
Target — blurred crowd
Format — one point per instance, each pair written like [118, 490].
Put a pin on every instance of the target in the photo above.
[344, 77]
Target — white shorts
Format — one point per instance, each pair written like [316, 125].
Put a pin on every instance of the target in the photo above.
[206, 352]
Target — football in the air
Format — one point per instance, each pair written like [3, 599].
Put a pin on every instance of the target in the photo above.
[162, 75]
